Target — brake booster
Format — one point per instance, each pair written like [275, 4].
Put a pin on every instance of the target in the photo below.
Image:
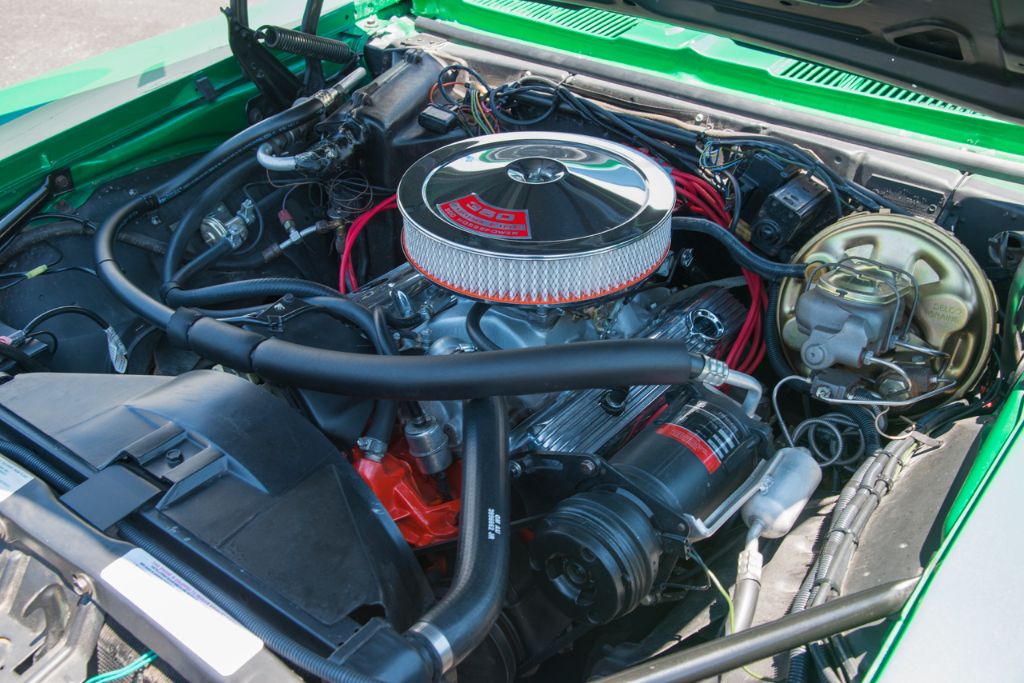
[893, 311]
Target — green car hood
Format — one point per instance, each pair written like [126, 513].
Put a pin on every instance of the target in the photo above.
[971, 53]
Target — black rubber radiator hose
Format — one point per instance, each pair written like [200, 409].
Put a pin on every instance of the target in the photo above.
[454, 627]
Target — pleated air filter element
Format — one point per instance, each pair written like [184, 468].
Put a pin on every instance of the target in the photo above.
[525, 218]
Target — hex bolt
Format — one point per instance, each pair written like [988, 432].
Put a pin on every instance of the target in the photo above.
[588, 467]
[515, 470]
[823, 393]
[892, 386]
[81, 584]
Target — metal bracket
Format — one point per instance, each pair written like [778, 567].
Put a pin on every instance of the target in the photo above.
[278, 86]
[705, 528]
[56, 183]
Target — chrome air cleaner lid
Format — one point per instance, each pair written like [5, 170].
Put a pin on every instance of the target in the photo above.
[530, 218]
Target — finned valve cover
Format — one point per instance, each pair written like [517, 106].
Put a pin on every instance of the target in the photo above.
[526, 218]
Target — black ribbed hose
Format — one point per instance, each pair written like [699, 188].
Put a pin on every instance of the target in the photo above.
[42, 468]
[865, 421]
[467, 612]
[53, 231]
[770, 270]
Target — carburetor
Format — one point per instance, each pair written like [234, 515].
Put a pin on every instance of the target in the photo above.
[893, 311]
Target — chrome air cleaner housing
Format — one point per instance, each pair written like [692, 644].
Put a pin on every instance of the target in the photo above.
[536, 218]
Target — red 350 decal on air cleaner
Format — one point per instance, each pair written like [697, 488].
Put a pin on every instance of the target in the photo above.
[473, 214]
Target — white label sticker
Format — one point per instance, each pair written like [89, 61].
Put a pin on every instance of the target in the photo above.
[493, 524]
[12, 478]
[182, 611]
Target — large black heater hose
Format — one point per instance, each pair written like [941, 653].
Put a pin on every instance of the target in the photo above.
[461, 376]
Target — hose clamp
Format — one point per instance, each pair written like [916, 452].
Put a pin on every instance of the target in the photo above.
[438, 641]
[326, 97]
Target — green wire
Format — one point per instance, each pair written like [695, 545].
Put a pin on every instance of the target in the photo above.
[728, 603]
[478, 116]
[140, 663]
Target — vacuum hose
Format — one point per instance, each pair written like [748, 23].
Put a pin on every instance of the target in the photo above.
[770, 270]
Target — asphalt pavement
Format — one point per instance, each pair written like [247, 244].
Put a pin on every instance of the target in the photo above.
[43, 35]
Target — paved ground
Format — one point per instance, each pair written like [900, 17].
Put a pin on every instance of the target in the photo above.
[42, 35]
